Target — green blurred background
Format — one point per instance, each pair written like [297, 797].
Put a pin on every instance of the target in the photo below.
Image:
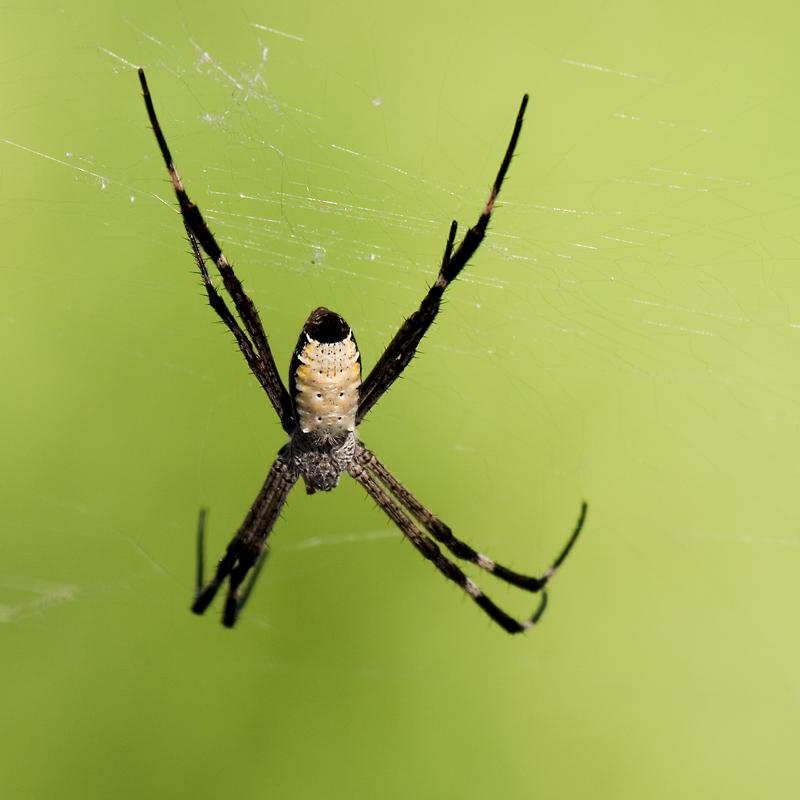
[629, 334]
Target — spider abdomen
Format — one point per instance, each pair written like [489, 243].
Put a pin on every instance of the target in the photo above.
[327, 381]
[327, 376]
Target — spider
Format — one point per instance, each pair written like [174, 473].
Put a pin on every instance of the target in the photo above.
[322, 408]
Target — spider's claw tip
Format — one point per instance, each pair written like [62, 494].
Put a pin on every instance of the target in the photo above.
[198, 607]
[542, 606]
[231, 612]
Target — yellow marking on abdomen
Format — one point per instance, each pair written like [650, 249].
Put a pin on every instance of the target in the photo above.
[327, 382]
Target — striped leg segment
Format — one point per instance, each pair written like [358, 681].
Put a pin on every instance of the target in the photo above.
[263, 364]
[403, 346]
[219, 305]
[246, 552]
[442, 533]
[430, 550]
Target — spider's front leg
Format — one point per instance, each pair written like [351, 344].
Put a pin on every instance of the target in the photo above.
[430, 550]
[442, 532]
[246, 552]
[408, 513]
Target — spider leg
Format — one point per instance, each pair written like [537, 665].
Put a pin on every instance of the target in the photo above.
[247, 550]
[251, 581]
[200, 571]
[201, 555]
[200, 233]
[404, 345]
[219, 305]
[430, 550]
[442, 533]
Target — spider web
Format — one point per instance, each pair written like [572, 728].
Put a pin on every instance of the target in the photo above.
[628, 333]
[370, 225]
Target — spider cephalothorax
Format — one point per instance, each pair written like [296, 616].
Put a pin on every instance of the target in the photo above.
[321, 410]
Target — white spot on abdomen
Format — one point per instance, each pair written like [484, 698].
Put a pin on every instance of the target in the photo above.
[327, 382]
